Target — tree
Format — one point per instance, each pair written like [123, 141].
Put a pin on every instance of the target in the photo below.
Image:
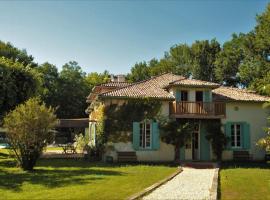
[140, 71]
[204, 54]
[92, 79]
[264, 142]
[17, 84]
[7, 50]
[49, 87]
[29, 131]
[229, 59]
[176, 133]
[72, 91]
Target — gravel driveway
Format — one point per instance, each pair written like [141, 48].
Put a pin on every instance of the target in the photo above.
[189, 184]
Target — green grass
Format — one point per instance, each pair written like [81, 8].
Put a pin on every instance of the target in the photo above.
[54, 148]
[76, 179]
[245, 181]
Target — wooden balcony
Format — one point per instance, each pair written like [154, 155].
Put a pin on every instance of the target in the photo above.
[187, 109]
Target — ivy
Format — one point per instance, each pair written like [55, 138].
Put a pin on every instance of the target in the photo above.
[119, 118]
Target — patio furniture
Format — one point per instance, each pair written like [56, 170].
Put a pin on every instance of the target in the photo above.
[68, 148]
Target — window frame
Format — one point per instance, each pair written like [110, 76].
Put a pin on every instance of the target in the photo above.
[143, 142]
[234, 135]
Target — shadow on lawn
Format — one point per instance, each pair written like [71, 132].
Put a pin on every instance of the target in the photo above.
[51, 177]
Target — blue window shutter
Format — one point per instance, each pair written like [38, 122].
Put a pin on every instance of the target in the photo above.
[227, 130]
[178, 95]
[207, 96]
[246, 135]
[136, 135]
[155, 136]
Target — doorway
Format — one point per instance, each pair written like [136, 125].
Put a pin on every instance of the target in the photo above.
[192, 147]
[199, 96]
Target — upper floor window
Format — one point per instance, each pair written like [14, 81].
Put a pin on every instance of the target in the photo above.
[236, 135]
[145, 134]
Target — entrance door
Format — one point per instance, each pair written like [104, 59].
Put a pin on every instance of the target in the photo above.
[195, 146]
[195, 142]
[192, 147]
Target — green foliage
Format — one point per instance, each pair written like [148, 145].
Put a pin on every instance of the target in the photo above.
[81, 142]
[216, 137]
[140, 71]
[264, 142]
[17, 84]
[92, 79]
[72, 91]
[204, 54]
[49, 88]
[119, 119]
[7, 50]
[176, 133]
[228, 61]
[29, 131]
[196, 60]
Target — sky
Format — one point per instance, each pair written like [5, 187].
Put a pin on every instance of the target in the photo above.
[113, 35]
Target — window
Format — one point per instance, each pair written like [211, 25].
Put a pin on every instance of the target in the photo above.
[236, 135]
[184, 95]
[145, 134]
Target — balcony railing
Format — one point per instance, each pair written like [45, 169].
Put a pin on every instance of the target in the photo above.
[187, 108]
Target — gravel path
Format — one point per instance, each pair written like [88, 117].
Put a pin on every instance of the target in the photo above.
[189, 184]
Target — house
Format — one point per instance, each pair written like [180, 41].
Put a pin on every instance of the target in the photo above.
[239, 110]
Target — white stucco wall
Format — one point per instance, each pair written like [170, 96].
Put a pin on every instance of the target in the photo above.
[191, 92]
[164, 153]
[256, 116]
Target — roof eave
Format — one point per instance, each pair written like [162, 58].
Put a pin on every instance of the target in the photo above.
[127, 97]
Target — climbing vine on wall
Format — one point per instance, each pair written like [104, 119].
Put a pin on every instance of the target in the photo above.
[119, 118]
[216, 137]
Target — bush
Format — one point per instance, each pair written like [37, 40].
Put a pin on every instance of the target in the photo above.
[28, 131]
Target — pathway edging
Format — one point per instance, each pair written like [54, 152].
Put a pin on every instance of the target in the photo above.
[214, 187]
[154, 186]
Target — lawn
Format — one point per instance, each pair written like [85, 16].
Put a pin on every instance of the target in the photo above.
[245, 181]
[76, 179]
[54, 148]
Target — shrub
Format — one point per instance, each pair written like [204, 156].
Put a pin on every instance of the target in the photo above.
[29, 131]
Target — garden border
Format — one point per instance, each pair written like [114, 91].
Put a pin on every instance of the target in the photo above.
[214, 187]
[155, 185]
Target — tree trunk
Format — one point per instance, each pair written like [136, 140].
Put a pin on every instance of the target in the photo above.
[29, 161]
[177, 153]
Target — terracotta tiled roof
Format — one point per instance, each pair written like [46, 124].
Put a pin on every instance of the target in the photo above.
[150, 88]
[156, 88]
[235, 94]
[115, 84]
[105, 87]
[193, 83]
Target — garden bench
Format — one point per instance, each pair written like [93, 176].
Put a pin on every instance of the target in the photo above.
[127, 156]
[241, 155]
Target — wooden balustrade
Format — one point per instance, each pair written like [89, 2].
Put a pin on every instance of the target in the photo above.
[198, 108]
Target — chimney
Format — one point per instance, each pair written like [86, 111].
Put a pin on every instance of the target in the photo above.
[118, 78]
[121, 78]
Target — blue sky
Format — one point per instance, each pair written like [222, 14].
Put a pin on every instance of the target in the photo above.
[114, 35]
